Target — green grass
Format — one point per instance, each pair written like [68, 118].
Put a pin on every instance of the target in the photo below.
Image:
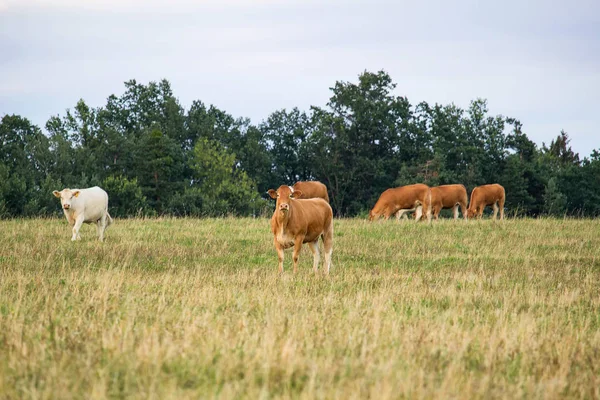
[188, 308]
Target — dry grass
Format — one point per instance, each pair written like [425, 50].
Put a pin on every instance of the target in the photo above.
[195, 308]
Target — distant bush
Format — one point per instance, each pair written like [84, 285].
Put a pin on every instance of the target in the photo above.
[125, 197]
[186, 204]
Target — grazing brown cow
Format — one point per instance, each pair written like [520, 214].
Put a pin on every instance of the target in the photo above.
[311, 190]
[486, 195]
[402, 199]
[297, 221]
[449, 196]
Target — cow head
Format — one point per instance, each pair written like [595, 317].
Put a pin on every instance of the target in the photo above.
[471, 213]
[66, 196]
[283, 195]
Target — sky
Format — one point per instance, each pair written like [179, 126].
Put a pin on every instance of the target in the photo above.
[537, 61]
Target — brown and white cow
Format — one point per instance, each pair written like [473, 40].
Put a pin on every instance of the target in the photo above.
[486, 195]
[403, 199]
[449, 196]
[298, 221]
[311, 190]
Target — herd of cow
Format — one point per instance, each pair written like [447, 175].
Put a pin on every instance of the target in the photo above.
[303, 214]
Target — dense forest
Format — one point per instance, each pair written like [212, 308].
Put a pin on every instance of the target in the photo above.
[153, 157]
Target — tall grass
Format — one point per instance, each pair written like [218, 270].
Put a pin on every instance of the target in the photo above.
[187, 308]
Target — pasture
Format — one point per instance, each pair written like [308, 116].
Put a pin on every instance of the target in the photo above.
[188, 308]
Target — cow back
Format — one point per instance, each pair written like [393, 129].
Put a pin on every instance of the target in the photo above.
[92, 202]
[487, 194]
[311, 189]
[447, 196]
[406, 196]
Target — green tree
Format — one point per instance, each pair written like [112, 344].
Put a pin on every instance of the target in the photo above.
[125, 197]
[555, 202]
[158, 162]
[560, 149]
[63, 151]
[238, 136]
[287, 136]
[147, 149]
[358, 141]
[523, 175]
[25, 162]
[455, 142]
[581, 186]
[515, 182]
[223, 188]
[519, 142]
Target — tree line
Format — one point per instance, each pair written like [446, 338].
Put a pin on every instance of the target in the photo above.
[154, 157]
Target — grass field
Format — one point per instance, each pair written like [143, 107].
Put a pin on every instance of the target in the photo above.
[190, 308]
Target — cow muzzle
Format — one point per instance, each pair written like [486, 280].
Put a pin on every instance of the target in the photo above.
[66, 206]
[284, 207]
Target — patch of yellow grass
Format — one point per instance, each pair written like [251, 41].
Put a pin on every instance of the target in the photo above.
[188, 308]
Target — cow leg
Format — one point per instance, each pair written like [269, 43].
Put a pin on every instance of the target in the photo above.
[418, 213]
[428, 206]
[76, 227]
[297, 247]
[455, 210]
[495, 206]
[501, 204]
[401, 214]
[328, 246]
[314, 247]
[463, 210]
[279, 255]
[436, 212]
[99, 229]
[387, 214]
[102, 223]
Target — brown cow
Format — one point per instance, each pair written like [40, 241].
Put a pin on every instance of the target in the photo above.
[297, 221]
[486, 195]
[402, 199]
[311, 190]
[449, 196]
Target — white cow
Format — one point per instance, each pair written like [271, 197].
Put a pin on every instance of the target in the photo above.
[85, 205]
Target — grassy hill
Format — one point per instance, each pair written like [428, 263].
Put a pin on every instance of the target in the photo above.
[188, 308]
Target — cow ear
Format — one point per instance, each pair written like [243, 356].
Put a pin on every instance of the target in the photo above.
[76, 193]
[272, 193]
[296, 194]
[56, 193]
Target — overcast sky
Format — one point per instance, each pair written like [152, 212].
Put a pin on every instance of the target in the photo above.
[538, 61]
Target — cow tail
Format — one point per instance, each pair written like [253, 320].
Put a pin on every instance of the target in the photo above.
[466, 197]
[109, 220]
[472, 194]
[430, 205]
[429, 210]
